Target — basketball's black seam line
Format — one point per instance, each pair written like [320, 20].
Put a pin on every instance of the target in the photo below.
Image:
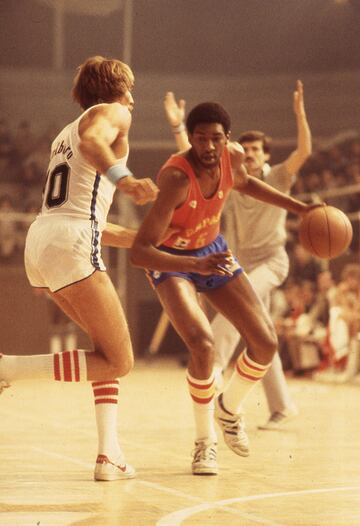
[309, 236]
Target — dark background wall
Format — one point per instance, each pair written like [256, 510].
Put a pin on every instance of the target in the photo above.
[192, 36]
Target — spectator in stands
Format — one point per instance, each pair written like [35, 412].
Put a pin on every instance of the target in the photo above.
[341, 351]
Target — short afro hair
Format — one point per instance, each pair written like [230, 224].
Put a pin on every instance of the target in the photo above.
[208, 112]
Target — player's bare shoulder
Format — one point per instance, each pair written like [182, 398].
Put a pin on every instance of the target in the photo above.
[119, 114]
[173, 182]
[113, 115]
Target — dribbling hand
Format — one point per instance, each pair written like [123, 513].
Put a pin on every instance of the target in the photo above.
[218, 264]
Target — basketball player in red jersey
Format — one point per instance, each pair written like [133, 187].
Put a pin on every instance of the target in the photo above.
[193, 186]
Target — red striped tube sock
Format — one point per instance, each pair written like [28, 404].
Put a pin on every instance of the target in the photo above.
[68, 366]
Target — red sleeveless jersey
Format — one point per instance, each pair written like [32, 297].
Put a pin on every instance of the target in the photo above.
[198, 218]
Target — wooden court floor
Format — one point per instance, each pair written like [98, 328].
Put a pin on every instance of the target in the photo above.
[306, 474]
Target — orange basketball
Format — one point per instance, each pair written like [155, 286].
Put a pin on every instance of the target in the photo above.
[325, 232]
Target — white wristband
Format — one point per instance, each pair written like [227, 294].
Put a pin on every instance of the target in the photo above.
[179, 128]
[117, 172]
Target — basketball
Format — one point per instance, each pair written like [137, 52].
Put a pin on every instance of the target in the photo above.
[325, 232]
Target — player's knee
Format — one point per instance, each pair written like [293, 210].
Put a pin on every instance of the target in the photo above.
[122, 367]
[271, 342]
[201, 346]
[264, 345]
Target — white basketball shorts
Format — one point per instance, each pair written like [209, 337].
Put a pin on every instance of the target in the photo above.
[62, 250]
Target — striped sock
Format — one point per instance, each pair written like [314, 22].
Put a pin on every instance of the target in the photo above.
[106, 396]
[246, 374]
[202, 393]
[68, 366]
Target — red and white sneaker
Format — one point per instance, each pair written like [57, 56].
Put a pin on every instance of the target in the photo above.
[107, 470]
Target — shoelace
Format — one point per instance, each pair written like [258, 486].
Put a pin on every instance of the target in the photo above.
[232, 426]
[204, 452]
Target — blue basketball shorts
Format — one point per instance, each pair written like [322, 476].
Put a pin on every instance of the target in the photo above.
[202, 283]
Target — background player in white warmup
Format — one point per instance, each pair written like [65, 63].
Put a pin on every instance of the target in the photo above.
[256, 234]
[62, 254]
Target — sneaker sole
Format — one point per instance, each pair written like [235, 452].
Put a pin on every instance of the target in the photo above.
[112, 478]
[206, 471]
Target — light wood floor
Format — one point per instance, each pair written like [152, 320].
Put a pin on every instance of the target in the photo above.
[306, 474]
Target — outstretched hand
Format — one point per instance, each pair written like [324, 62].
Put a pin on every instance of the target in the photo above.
[299, 108]
[141, 191]
[175, 111]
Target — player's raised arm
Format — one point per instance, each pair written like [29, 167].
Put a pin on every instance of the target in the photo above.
[175, 113]
[304, 142]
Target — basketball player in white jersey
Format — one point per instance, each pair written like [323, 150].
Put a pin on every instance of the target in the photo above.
[256, 233]
[63, 248]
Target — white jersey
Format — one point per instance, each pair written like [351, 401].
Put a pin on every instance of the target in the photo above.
[73, 187]
[253, 229]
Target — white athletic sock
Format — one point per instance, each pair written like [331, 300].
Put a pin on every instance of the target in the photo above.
[106, 395]
[202, 393]
[246, 374]
[68, 366]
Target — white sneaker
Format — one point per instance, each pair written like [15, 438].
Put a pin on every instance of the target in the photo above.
[204, 462]
[107, 470]
[233, 428]
[278, 419]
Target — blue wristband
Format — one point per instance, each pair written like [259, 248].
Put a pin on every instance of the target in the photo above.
[117, 172]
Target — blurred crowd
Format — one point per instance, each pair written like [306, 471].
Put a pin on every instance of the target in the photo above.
[318, 320]
[316, 311]
[24, 157]
[331, 168]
